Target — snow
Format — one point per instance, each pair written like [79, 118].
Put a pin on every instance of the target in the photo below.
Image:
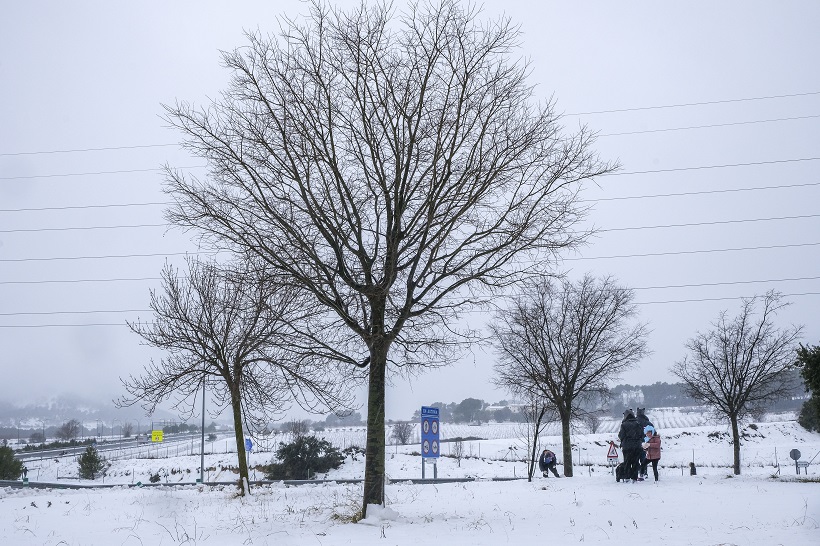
[767, 504]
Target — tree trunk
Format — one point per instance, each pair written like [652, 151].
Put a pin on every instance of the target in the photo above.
[567, 441]
[374, 450]
[736, 443]
[236, 406]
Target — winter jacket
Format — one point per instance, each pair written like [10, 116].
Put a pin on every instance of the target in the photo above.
[631, 433]
[643, 420]
[653, 452]
[547, 458]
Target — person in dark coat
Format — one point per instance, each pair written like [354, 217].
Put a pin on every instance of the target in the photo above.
[631, 437]
[644, 421]
[546, 462]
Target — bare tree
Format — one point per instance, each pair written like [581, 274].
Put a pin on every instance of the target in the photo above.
[402, 432]
[127, 430]
[296, 427]
[393, 164]
[563, 342]
[457, 451]
[536, 414]
[742, 363]
[231, 328]
[68, 430]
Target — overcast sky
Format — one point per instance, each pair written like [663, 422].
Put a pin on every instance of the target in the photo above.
[717, 102]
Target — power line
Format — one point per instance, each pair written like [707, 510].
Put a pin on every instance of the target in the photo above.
[727, 283]
[704, 192]
[651, 254]
[727, 165]
[105, 257]
[720, 299]
[104, 206]
[725, 101]
[692, 300]
[60, 281]
[679, 194]
[712, 126]
[89, 149]
[59, 175]
[718, 222]
[75, 312]
[75, 228]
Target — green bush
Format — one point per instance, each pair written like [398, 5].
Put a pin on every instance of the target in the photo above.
[809, 417]
[303, 458]
[10, 468]
[90, 463]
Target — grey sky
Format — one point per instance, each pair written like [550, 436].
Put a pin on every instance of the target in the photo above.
[84, 75]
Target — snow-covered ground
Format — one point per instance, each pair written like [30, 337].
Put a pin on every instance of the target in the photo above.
[767, 504]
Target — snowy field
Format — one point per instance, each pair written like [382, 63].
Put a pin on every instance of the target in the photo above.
[767, 504]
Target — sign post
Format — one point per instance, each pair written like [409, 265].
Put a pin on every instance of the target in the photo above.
[248, 449]
[429, 438]
[612, 455]
[156, 435]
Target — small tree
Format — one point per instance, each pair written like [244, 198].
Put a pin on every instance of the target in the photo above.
[296, 427]
[534, 423]
[457, 451]
[303, 458]
[10, 468]
[36, 438]
[90, 463]
[69, 430]
[564, 342]
[127, 430]
[401, 433]
[742, 364]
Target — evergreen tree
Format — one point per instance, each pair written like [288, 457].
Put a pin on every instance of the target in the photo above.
[10, 468]
[808, 359]
[90, 463]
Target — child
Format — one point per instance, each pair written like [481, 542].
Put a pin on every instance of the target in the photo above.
[653, 448]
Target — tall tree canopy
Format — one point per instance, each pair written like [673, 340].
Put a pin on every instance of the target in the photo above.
[396, 166]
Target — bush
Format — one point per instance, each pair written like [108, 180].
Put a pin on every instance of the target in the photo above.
[303, 458]
[809, 417]
[154, 478]
[90, 463]
[10, 468]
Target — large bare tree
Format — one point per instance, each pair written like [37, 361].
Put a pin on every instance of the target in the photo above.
[396, 166]
[563, 342]
[742, 364]
[231, 330]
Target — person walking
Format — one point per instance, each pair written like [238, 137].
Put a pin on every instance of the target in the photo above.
[630, 436]
[546, 463]
[653, 448]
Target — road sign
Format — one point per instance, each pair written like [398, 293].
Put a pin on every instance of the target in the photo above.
[794, 454]
[156, 435]
[612, 453]
[429, 432]
[248, 444]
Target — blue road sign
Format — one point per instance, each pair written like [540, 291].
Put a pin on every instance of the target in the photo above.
[248, 444]
[429, 432]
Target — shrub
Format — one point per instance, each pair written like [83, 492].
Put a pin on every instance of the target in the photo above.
[809, 417]
[303, 458]
[10, 468]
[90, 463]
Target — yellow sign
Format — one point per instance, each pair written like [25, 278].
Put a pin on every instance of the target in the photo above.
[156, 435]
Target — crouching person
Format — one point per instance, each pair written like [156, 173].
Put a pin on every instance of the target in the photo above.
[546, 463]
